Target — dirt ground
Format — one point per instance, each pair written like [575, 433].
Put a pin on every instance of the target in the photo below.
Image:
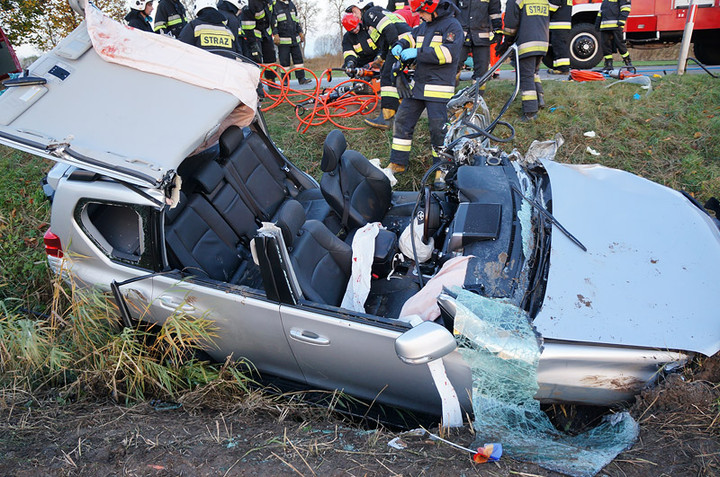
[680, 436]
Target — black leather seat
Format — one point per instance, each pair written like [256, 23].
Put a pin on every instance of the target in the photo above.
[321, 261]
[355, 189]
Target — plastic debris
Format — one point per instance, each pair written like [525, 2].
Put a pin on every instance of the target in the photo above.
[589, 134]
[592, 151]
[643, 81]
[636, 96]
[376, 162]
[488, 453]
[503, 350]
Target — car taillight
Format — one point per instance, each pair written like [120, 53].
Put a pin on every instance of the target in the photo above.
[53, 247]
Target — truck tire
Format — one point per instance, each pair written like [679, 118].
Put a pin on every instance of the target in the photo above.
[707, 47]
[585, 47]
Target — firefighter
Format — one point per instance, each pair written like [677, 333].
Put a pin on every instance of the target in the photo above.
[359, 51]
[251, 46]
[209, 31]
[258, 25]
[291, 35]
[231, 9]
[527, 25]
[560, 25]
[139, 16]
[480, 20]
[170, 18]
[611, 22]
[386, 28]
[436, 46]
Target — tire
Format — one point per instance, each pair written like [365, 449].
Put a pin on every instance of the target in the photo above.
[585, 47]
[707, 47]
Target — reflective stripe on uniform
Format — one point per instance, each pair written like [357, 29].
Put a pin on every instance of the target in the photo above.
[389, 92]
[436, 41]
[443, 55]
[530, 95]
[625, 8]
[401, 144]
[438, 91]
[260, 14]
[608, 24]
[407, 36]
[495, 16]
[560, 25]
[281, 17]
[558, 62]
[536, 78]
[348, 53]
[285, 41]
[532, 47]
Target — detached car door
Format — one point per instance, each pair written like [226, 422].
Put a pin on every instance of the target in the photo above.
[356, 354]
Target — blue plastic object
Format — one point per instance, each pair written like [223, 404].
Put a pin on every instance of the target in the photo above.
[396, 50]
[408, 54]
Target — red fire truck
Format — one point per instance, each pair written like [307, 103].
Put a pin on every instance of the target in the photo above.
[650, 21]
[8, 60]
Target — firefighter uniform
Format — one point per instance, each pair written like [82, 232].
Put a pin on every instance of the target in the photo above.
[479, 19]
[395, 5]
[230, 12]
[257, 23]
[358, 49]
[208, 31]
[560, 25]
[439, 45]
[170, 17]
[611, 22]
[291, 34]
[137, 20]
[386, 28]
[527, 25]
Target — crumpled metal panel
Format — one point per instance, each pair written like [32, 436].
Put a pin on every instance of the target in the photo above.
[650, 276]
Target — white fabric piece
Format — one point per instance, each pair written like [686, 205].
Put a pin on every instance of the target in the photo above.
[358, 287]
[388, 173]
[165, 56]
[424, 251]
[424, 302]
[452, 415]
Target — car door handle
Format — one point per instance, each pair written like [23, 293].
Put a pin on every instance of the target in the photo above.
[308, 337]
[171, 303]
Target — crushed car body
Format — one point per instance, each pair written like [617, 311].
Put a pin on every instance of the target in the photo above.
[179, 197]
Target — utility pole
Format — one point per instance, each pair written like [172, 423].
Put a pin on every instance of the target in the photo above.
[687, 36]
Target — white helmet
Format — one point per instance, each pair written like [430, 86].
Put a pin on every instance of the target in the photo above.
[203, 4]
[239, 4]
[361, 4]
[138, 4]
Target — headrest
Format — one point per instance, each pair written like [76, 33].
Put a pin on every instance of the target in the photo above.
[209, 177]
[333, 148]
[290, 218]
[230, 139]
[172, 214]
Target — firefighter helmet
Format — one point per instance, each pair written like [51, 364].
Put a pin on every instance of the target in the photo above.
[361, 4]
[203, 4]
[428, 6]
[236, 3]
[350, 21]
[138, 4]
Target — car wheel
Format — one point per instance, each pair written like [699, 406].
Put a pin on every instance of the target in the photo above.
[707, 47]
[585, 51]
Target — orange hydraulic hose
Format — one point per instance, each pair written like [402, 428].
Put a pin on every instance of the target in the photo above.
[586, 75]
[323, 109]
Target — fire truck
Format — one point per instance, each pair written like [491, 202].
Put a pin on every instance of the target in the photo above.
[650, 22]
[8, 60]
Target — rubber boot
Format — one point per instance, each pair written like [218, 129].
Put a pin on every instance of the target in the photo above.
[383, 121]
[396, 169]
[627, 61]
[541, 101]
[608, 66]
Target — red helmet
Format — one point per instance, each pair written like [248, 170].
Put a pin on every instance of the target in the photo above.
[428, 6]
[350, 22]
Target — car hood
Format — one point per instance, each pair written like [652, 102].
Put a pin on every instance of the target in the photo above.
[649, 277]
[125, 103]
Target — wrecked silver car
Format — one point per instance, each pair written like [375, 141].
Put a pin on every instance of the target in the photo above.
[193, 208]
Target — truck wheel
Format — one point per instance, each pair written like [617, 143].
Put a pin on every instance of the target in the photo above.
[585, 50]
[707, 47]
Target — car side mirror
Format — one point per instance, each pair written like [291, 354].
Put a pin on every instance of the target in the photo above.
[425, 342]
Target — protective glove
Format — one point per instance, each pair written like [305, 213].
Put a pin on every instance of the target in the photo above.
[302, 37]
[255, 54]
[498, 37]
[396, 50]
[501, 48]
[408, 54]
[276, 39]
[469, 62]
[376, 63]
